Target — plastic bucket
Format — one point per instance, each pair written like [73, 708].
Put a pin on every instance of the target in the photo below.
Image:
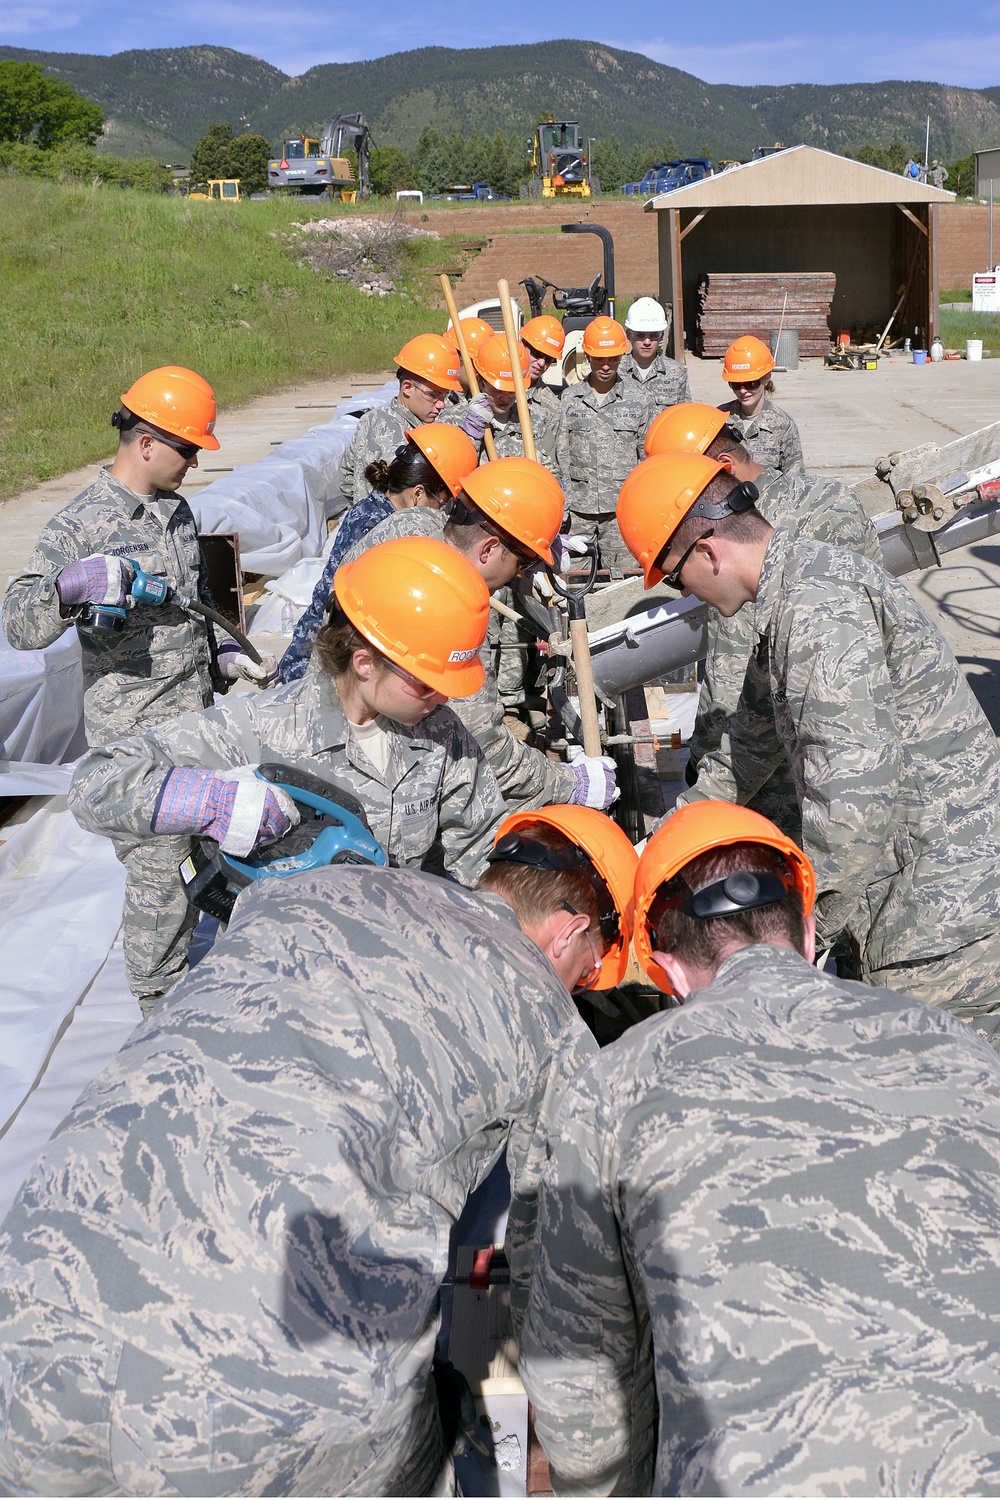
[920, 356]
[973, 348]
[785, 348]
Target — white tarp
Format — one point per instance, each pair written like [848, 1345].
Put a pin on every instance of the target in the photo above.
[279, 506]
[61, 896]
[41, 701]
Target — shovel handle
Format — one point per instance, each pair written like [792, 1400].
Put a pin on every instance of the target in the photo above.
[467, 365]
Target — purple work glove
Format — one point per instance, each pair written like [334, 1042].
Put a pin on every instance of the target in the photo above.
[477, 418]
[95, 580]
[595, 786]
[235, 808]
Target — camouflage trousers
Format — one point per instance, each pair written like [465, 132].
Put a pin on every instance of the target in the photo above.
[516, 667]
[602, 527]
[966, 984]
[158, 919]
[83, 1413]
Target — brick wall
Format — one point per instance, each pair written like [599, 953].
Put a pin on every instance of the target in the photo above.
[964, 242]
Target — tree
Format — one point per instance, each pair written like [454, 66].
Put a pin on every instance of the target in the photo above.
[209, 157]
[609, 164]
[390, 170]
[246, 157]
[41, 111]
[962, 177]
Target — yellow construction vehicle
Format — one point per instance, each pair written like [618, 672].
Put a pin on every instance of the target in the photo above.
[319, 168]
[559, 166]
[220, 190]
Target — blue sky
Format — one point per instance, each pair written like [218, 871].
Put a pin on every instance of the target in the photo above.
[777, 42]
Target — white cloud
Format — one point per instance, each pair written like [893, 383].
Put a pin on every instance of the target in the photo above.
[27, 20]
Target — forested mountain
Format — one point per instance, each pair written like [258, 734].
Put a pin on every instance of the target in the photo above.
[162, 100]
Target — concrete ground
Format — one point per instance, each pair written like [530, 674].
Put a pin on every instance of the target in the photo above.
[847, 419]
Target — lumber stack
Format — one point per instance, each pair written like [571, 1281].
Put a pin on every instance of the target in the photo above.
[734, 303]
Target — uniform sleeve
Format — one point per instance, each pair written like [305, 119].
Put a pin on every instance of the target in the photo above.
[544, 432]
[293, 664]
[846, 523]
[750, 749]
[730, 645]
[585, 1354]
[471, 806]
[563, 439]
[526, 777]
[31, 612]
[846, 754]
[791, 460]
[115, 786]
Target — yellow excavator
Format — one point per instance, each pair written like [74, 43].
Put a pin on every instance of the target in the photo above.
[559, 165]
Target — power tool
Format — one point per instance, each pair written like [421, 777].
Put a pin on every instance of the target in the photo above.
[150, 588]
[333, 831]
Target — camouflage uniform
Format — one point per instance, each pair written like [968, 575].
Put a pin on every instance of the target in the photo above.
[222, 1275]
[526, 777]
[162, 664]
[895, 768]
[547, 400]
[438, 801]
[600, 441]
[378, 434]
[771, 1185]
[665, 381]
[770, 436]
[804, 505]
[361, 518]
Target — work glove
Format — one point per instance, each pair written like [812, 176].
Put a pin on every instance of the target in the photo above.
[235, 665]
[477, 417]
[235, 808]
[594, 778]
[566, 549]
[95, 580]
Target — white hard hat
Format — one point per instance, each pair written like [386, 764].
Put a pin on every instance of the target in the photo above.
[646, 316]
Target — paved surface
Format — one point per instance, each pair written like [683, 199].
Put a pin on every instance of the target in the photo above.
[848, 419]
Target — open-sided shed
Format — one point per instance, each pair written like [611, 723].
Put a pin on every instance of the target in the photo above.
[807, 210]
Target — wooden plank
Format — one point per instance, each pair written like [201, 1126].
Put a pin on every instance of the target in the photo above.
[912, 217]
[677, 285]
[693, 224]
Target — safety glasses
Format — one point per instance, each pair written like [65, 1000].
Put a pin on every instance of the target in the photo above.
[187, 451]
[673, 578]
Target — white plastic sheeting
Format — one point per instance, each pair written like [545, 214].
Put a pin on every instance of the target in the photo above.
[41, 701]
[61, 897]
[279, 506]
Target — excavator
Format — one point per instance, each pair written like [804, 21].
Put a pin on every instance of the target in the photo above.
[319, 168]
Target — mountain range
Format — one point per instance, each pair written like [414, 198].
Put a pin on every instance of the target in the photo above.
[159, 101]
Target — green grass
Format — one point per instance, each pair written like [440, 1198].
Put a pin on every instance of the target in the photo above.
[100, 285]
[956, 327]
[957, 294]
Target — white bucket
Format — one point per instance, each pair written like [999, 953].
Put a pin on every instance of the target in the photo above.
[973, 348]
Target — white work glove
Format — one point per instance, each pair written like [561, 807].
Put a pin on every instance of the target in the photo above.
[565, 549]
[235, 665]
[594, 778]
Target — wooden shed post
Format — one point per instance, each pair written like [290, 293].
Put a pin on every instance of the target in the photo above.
[676, 283]
[933, 288]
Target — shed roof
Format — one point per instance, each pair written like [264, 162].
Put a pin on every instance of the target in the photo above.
[798, 176]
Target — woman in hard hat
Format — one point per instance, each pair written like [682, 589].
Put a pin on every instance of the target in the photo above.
[428, 369]
[405, 627]
[769, 434]
[163, 660]
[602, 426]
[496, 406]
[545, 341]
[662, 379]
[426, 471]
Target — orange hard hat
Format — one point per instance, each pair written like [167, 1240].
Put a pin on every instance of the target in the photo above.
[433, 358]
[691, 831]
[747, 359]
[654, 500]
[452, 453]
[474, 330]
[522, 498]
[492, 362]
[610, 855]
[687, 428]
[179, 400]
[424, 606]
[545, 335]
[604, 336]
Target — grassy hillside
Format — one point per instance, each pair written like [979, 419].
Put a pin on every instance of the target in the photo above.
[101, 285]
[171, 96]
